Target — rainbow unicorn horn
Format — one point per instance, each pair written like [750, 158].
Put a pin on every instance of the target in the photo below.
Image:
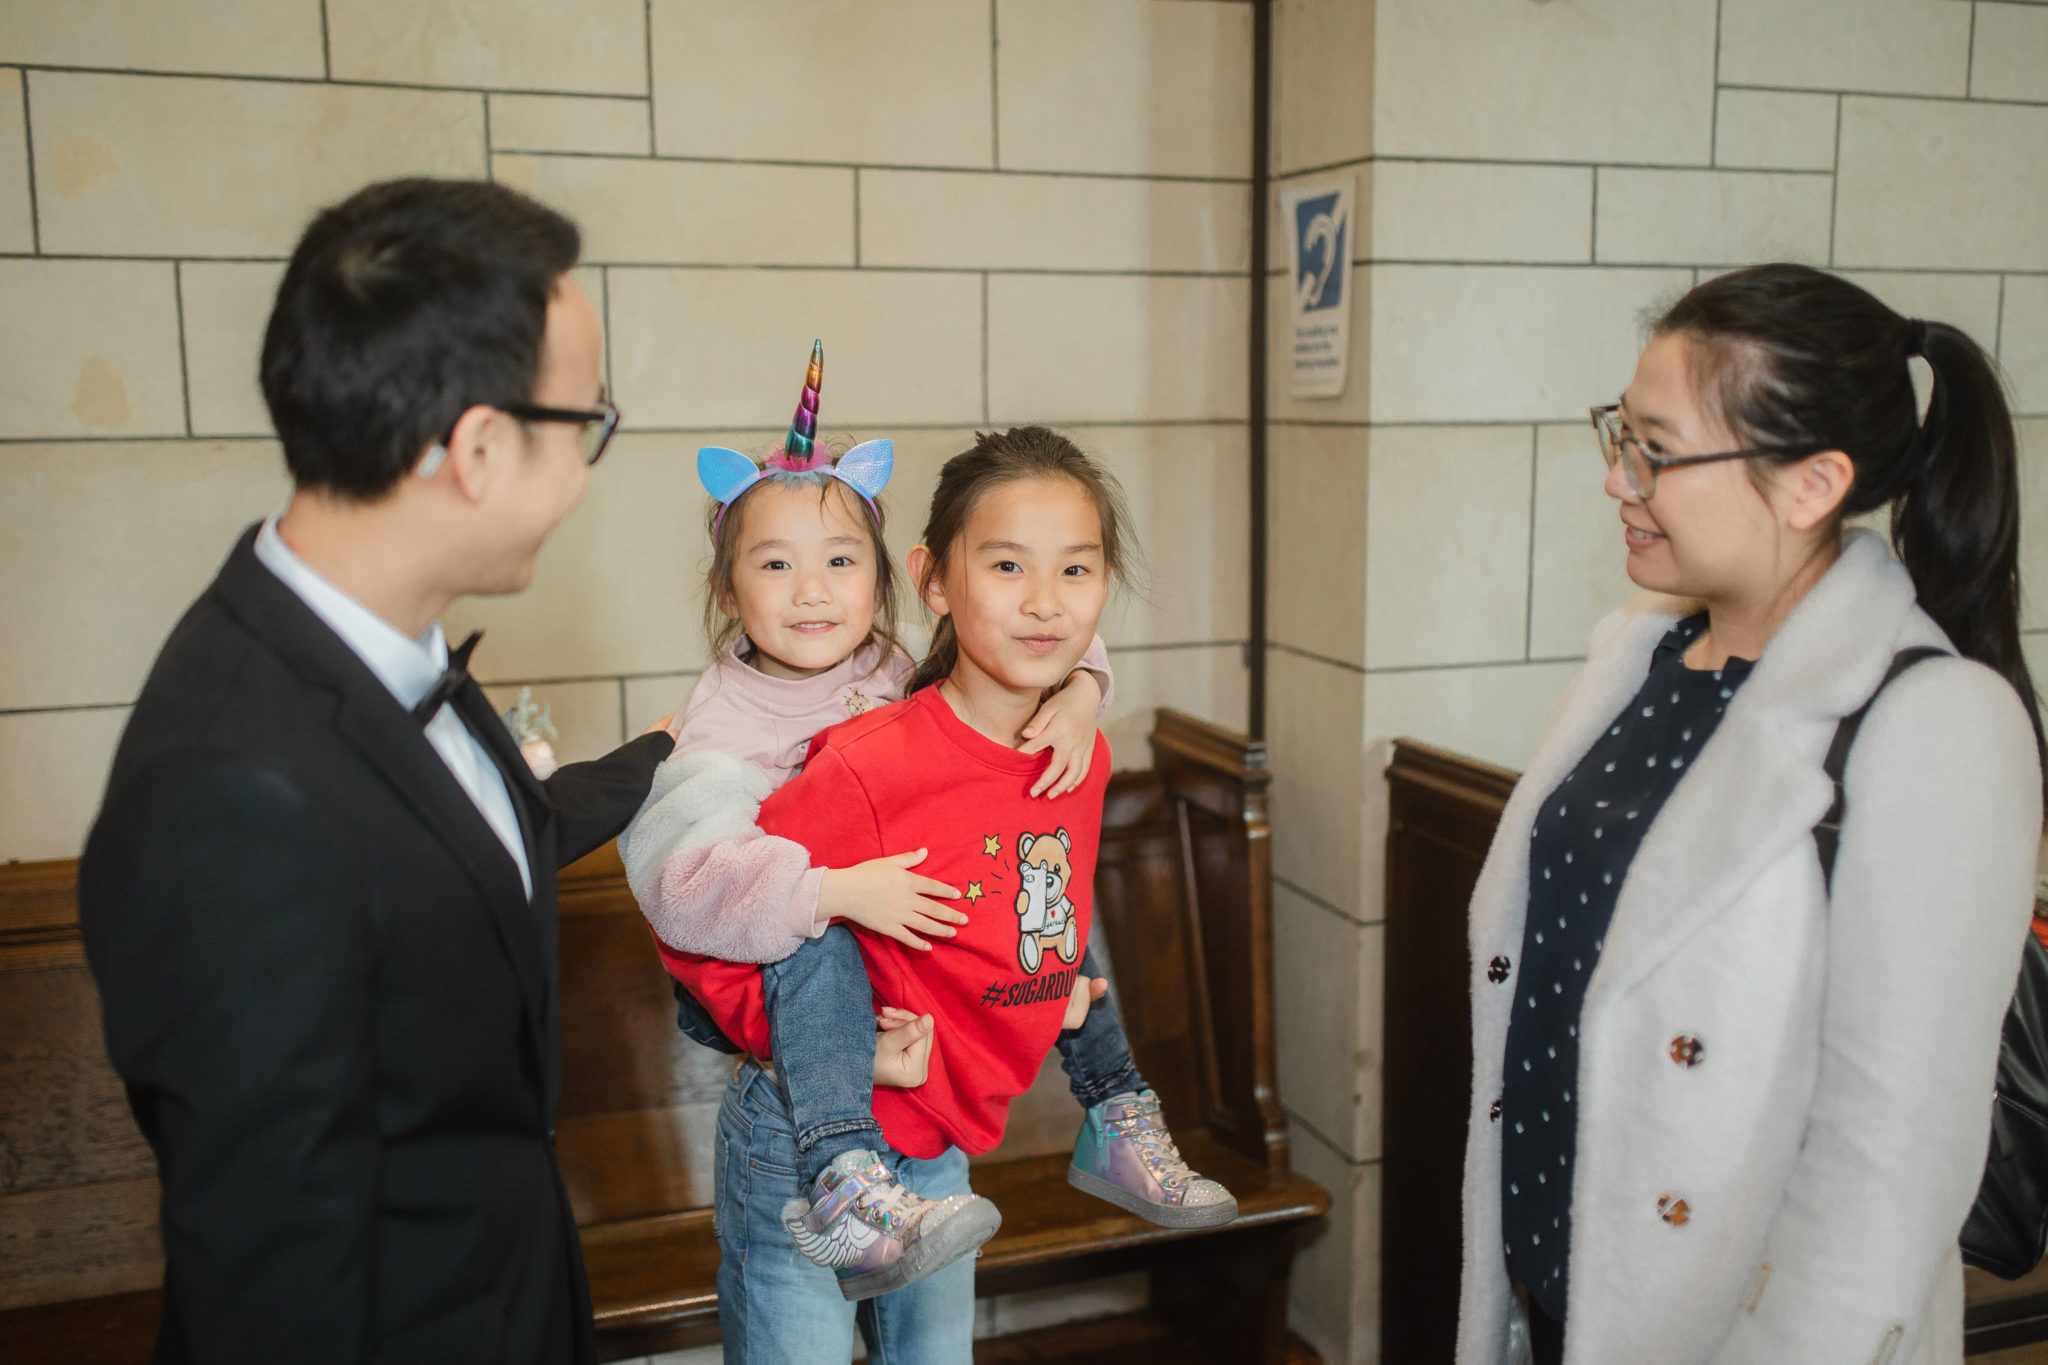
[799, 449]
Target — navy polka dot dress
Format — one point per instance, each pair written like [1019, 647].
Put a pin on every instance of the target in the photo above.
[1585, 837]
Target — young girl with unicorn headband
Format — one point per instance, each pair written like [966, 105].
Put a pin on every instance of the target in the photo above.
[800, 569]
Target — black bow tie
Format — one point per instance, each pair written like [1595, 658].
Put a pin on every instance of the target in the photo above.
[450, 682]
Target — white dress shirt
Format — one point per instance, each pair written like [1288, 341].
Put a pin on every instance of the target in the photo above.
[409, 668]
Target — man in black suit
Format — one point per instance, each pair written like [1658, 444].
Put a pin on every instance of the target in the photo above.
[319, 898]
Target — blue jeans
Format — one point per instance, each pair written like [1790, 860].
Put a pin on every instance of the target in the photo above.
[1097, 1055]
[821, 1025]
[777, 1308]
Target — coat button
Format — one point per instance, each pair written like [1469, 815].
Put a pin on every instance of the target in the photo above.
[1688, 1052]
[1674, 1210]
[1493, 1114]
[1497, 970]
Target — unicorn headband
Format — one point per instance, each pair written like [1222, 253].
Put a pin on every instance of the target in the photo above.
[865, 469]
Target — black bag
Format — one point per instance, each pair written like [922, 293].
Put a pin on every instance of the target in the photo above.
[2008, 1225]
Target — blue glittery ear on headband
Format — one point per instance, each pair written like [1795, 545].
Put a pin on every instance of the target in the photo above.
[867, 467]
[724, 473]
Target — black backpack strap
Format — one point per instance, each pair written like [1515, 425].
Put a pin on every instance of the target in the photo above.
[1827, 835]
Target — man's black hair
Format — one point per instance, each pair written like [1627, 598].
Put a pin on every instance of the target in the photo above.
[404, 305]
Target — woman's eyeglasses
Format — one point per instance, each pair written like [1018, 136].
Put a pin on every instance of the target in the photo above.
[597, 423]
[1619, 446]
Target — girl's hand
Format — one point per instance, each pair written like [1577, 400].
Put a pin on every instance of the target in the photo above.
[884, 895]
[1065, 724]
[903, 1047]
[1087, 990]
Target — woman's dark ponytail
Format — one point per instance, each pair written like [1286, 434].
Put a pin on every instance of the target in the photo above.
[1797, 360]
[1956, 525]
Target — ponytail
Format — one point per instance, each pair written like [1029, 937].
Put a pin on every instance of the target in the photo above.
[1795, 360]
[1956, 526]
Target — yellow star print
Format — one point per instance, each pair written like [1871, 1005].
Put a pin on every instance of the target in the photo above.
[974, 892]
[992, 845]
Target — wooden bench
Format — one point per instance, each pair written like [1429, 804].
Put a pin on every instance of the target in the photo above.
[1443, 810]
[1184, 909]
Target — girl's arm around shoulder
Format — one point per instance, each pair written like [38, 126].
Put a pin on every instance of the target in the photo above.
[1932, 894]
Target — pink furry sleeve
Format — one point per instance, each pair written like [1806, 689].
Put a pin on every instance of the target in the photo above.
[751, 898]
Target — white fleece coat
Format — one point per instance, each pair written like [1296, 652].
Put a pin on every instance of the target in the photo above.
[1831, 1139]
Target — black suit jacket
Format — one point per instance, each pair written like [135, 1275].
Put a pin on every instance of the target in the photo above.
[333, 1004]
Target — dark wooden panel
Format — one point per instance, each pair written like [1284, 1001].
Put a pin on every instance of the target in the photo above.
[1443, 811]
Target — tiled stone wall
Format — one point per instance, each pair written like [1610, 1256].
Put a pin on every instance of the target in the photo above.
[991, 210]
[1534, 176]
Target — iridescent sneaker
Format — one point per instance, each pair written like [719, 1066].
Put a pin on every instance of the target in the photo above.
[875, 1233]
[1125, 1155]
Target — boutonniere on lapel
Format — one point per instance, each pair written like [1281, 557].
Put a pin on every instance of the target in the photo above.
[533, 729]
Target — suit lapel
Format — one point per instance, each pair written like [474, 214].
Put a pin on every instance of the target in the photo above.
[395, 745]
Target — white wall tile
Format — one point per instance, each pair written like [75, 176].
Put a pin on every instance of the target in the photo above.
[1895, 48]
[1208, 681]
[160, 166]
[638, 211]
[1712, 217]
[1186, 487]
[218, 37]
[1313, 713]
[650, 698]
[585, 715]
[570, 123]
[2035, 648]
[1579, 560]
[1506, 343]
[1446, 545]
[1333, 1296]
[1473, 78]
[978, 220]
[726, 348]
[227, 307]
[1447, 211]
[1316, 540]
[1142, 87]
[1966, 301]
[53, 771]
[594, 47]
[2023, 341]
[1492, 714]
[101, 358]
[2010, 61]
[620, 582]
[1322, 91]
[1933, 186]
[107, 544]
[1775, 130]
[2033, 455]
[894, 82]
[1116, 348]
[17, 220]
[1330, 974]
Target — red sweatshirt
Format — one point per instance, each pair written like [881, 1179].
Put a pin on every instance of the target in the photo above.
[910, 776]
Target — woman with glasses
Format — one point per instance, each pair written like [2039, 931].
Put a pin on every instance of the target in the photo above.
[1730, 1105]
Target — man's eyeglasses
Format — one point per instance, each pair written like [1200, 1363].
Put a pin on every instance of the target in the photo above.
[597, 423]
[1618, 446]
